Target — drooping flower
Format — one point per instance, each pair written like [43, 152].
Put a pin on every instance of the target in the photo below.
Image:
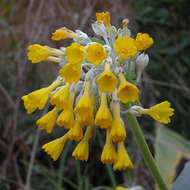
[81, 151]
[47, 122]
[96, 53]
[127, 92]
[160, 112]
[125, 47]
[107, 81]
[118, 132]
[84, 107]
[63, 33]
[109, 155]
[38, 98]
[76, 132]
[103, 115]
[71, 73]
[123, 161]
[143, 41]
[103, 18]
[61, 98]
[75, 53]
[66, 118]
[55, 147]
[38, 53]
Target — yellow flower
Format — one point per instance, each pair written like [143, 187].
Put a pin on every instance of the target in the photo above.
[96, 53]
[47, 122]
[66, 118]
[87, 119]
[29, 105]
[38, 98]
[70, 73]
[125, 47]
[103, 115]
[75, 53]
[160, 112]
[109, 155]
[103, 18]
[107, 81]
[84, 107]
[55, 147]
[63, 33]
[126, 92]
[143, 41]
[123, 161]
[61, 98]
[76, 132]
[38, 53]
[81, 152]
[118, 132]
[120, 188]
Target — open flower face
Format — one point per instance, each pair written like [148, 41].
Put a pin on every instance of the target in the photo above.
[96, 54]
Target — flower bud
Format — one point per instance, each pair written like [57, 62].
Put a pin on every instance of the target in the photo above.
[142, 61]
[82, 38]
[99, 29]
[135, 110]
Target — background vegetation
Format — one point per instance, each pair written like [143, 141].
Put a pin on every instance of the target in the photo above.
[167, 78]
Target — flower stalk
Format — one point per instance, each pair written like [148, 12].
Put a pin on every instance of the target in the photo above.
[149, 160]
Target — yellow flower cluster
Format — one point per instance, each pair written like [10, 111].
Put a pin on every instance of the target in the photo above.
[92, 85]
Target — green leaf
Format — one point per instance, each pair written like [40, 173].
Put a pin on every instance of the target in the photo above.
[171, 151]
[183, 181]
[97, 40]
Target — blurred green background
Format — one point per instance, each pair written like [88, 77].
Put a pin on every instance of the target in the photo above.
[167, 78]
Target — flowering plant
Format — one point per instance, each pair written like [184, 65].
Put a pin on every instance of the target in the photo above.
[96, 82]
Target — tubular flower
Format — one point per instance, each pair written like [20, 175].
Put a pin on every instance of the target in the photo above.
[38, 99]
[63, 33]
[126, 92]
[117, 133]
[103, 115]
[75, 53]
[107, 81]
[123, 161]
[103, 18]
[38, 53]
[66, 118]
[143, 41]
[81, 151]
[61, 98]
[109, 155]
[47, 122]
[160, 112]
[55, 147]
[71, 73]
[125, 47]
[76, 132]
[81, 84]
[84, 106]
[96, 54]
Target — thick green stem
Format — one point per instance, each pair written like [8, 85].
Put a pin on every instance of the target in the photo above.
[137, 132]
